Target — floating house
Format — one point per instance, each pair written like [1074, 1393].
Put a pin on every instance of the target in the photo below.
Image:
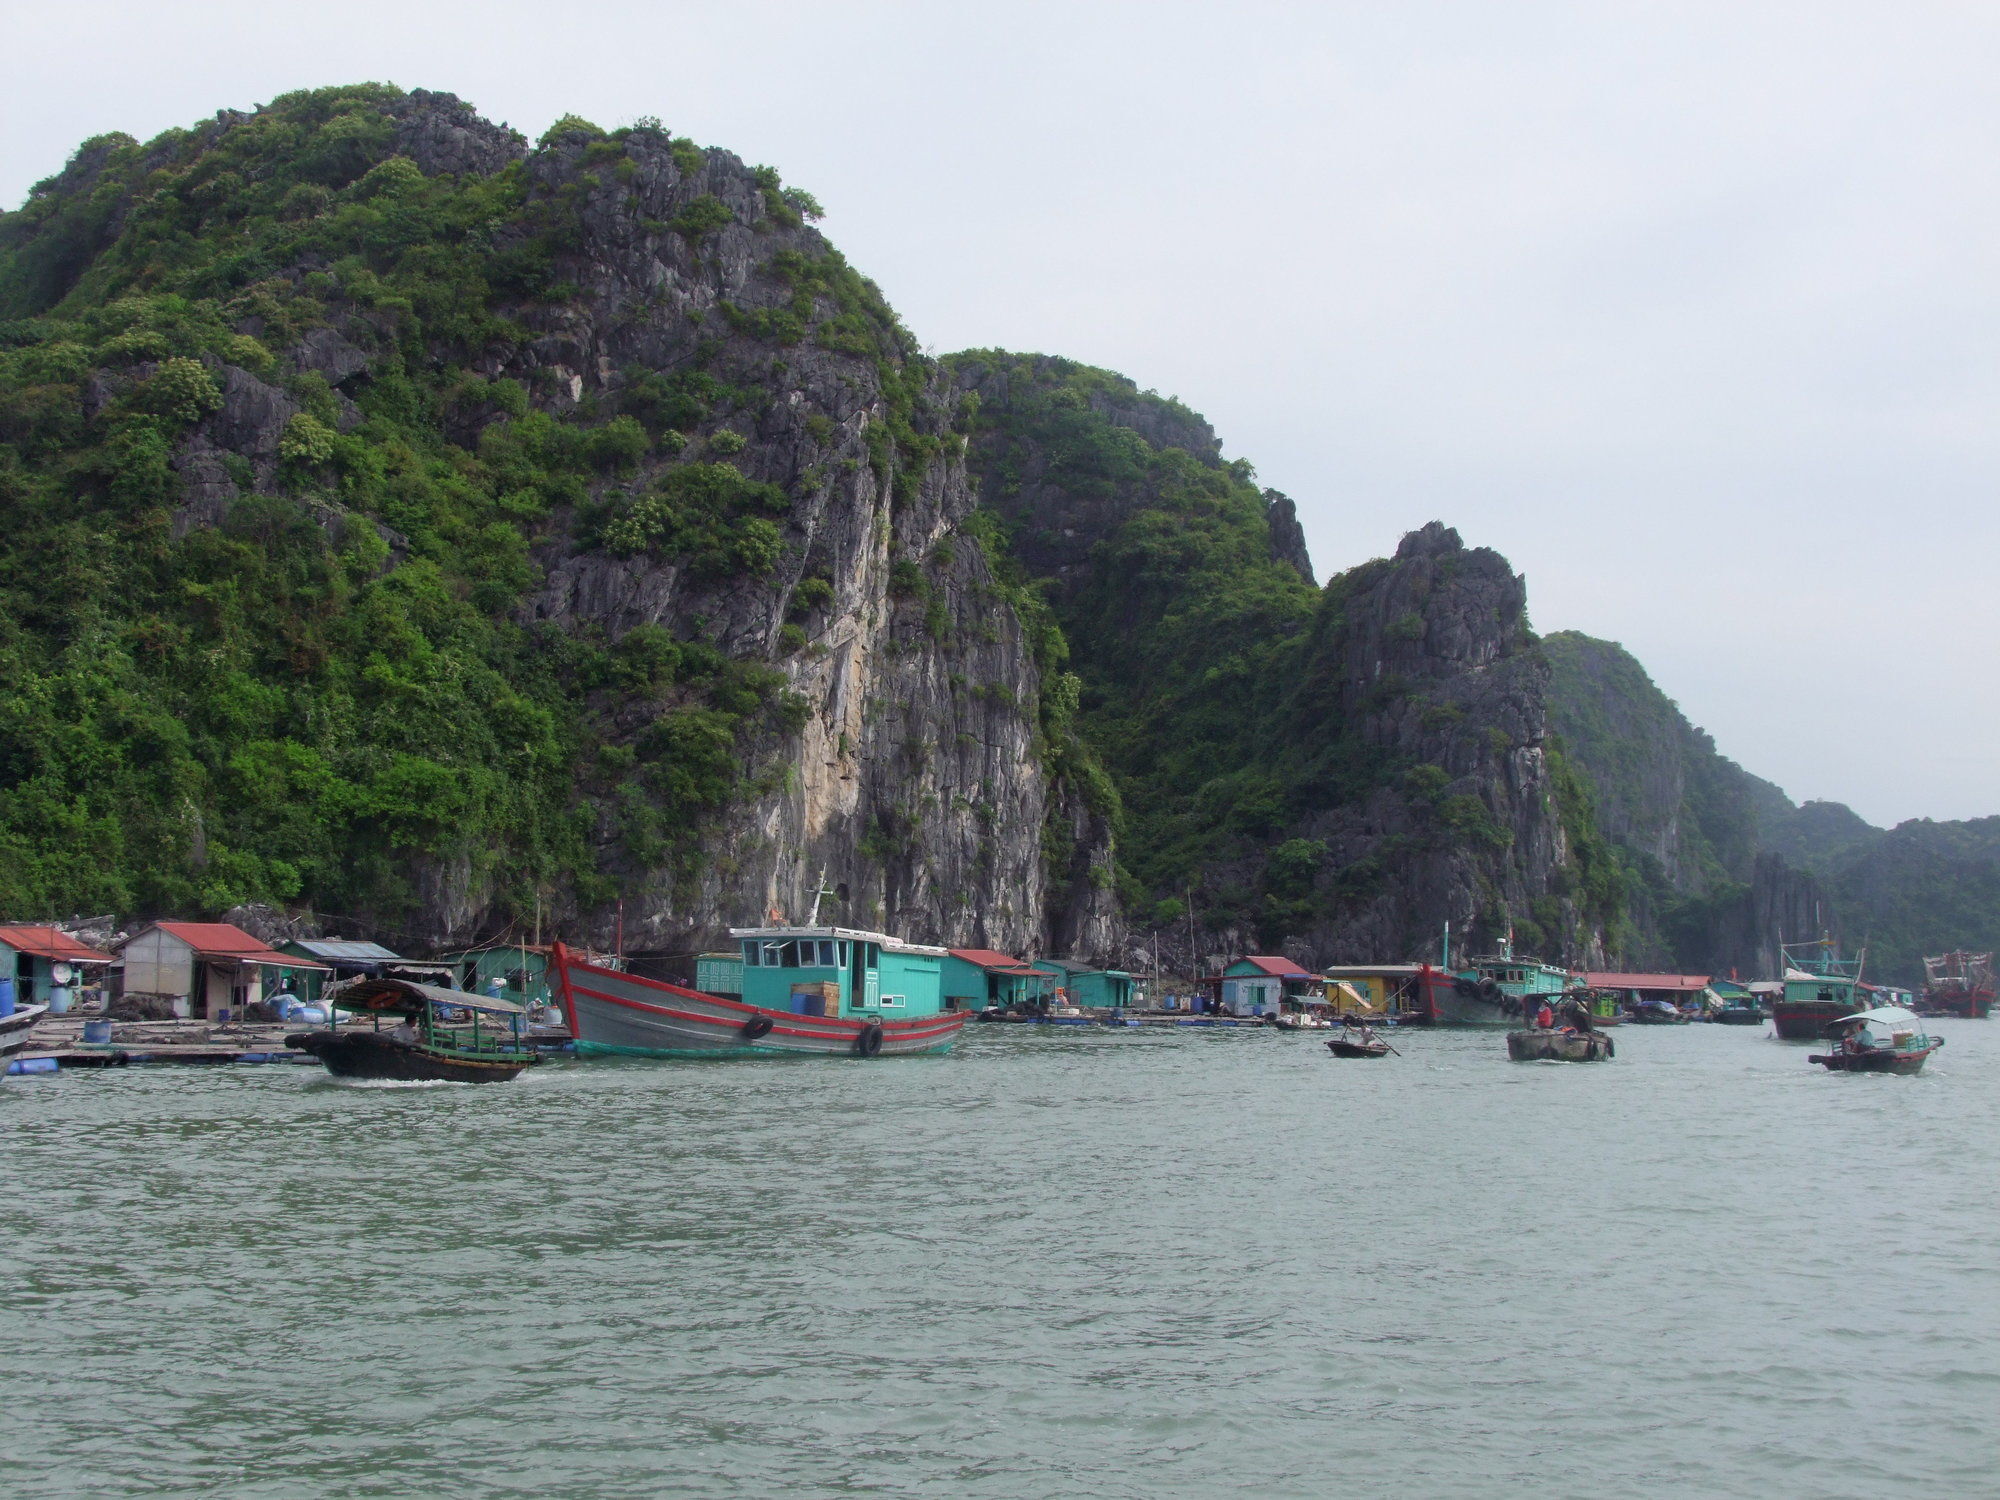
[1259, 984]
[349, 958]
[975, 978]
[840, 971]
[520, 968]
[719, 973]
[1373, 988]
[210, 969]
[1089, 986]
[1679, 990]
[46, 963]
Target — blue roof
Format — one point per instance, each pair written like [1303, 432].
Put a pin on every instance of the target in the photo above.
[345, 950]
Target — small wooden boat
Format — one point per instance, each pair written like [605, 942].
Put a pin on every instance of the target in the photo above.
[430, 1044]
[1560, 1046]
[15, 1026]
[1888, 1039]
[1659, 1013]
[1363, 1043]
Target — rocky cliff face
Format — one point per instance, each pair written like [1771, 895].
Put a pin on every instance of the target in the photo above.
[1332, 773]
[1424, 682]
[632, 404]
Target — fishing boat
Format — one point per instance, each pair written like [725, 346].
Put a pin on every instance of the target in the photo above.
[440, 1037]
[1502, 989]
[1567, 1045]
[1958, 984]
[1887, 1039]
[1821, 987]
[1745, 1012]
[807, 992]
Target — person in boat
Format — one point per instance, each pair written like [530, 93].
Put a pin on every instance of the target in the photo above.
[1545, 1018]
[1855, 1041]
[404, 1031]
[1577, 1018]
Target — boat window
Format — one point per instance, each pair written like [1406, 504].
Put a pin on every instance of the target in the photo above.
[874, 951]
[774, 955]
[827, 955]
[888, 1001]
[843, 952]
[752, 955]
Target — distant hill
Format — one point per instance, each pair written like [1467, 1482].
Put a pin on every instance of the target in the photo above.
[1719, 860]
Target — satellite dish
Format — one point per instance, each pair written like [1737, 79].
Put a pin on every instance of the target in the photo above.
[61, 972]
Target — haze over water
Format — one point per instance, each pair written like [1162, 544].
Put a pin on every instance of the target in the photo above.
[1055, 1263]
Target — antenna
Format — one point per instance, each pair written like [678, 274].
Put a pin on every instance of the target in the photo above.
[812, 920]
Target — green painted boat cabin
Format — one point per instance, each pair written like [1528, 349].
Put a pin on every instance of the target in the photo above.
[1089, 986]
[719, 973]
[976, 978]
[839, 971]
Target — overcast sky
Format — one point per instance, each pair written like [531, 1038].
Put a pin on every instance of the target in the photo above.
[1688, 309]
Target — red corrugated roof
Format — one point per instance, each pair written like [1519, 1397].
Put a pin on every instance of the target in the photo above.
[1003, 963]
[221, 940]
[51, 942]
[1282, 968]
[1646, 981]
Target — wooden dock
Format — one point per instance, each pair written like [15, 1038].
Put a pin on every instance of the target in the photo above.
[144, 1043]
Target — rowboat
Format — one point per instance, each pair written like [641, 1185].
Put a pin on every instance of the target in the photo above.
[1364, 1045]
[808, 992]
[430, 1045]
[1560, 1046]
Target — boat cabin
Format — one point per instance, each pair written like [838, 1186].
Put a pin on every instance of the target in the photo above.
[719, 973]
[975, 978]
[44, 965]
[211, 970]
[839, 971]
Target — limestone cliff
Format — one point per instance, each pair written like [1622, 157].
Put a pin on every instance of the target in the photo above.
[598, 534]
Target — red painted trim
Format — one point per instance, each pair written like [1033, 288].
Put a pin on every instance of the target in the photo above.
[559, 957]
[920, 1029]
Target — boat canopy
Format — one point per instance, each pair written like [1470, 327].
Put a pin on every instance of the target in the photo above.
[1893, 1017]
[403, 995]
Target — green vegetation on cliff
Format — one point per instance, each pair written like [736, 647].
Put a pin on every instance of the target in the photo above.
[287, 664]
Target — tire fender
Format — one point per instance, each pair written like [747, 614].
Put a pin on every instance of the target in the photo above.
[869, 1042]
[755, 1027]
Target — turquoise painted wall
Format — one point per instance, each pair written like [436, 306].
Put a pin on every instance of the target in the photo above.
[905, 984]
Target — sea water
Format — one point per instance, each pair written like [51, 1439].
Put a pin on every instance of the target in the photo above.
[1054, 1263]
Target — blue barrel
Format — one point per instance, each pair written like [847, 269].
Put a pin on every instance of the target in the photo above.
[32, 1065]
[96, 1033]
[6, 994]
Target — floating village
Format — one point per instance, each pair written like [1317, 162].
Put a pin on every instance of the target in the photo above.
[86, 995]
